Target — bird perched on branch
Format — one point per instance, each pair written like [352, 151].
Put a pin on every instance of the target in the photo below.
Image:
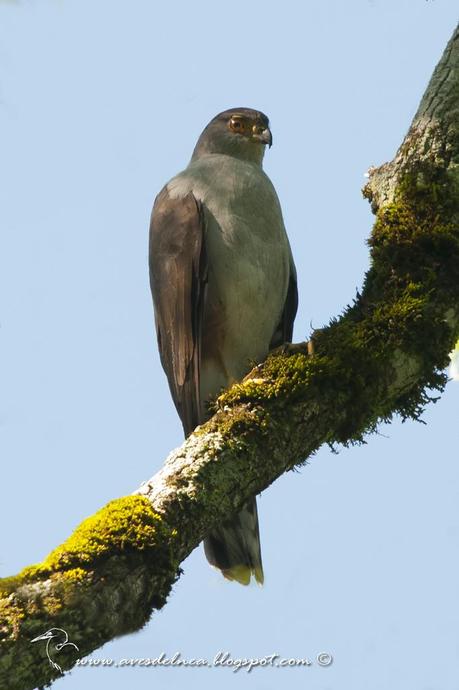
[224, 290]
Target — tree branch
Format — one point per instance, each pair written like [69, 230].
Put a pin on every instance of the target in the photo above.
[384, 356]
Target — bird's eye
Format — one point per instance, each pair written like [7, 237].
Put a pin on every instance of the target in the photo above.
[236, 124]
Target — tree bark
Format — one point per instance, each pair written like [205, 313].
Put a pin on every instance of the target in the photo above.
[384, 356]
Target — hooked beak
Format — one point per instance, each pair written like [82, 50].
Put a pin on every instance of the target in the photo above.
[265, 137]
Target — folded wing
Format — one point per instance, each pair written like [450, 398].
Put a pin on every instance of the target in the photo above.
[178, 279]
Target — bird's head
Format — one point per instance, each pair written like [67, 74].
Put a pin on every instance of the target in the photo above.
[239, 132]
[50, 634]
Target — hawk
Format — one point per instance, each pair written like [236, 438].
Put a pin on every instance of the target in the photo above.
[224, 290]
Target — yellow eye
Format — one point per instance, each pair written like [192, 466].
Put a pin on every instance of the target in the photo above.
[236, 124]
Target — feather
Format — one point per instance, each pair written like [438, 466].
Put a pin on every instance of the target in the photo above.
[178, 277]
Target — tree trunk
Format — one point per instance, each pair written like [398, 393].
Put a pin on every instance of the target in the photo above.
[384, 356]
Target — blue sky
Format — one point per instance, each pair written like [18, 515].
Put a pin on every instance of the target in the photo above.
[100, 104]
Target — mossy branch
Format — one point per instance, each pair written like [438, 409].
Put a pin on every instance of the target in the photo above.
[385, 355]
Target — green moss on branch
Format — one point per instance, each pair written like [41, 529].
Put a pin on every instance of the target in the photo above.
[123, 527]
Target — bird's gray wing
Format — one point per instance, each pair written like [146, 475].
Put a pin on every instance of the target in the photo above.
[178, 277]
[284, 331]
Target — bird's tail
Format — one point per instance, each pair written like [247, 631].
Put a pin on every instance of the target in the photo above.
[234, 547]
